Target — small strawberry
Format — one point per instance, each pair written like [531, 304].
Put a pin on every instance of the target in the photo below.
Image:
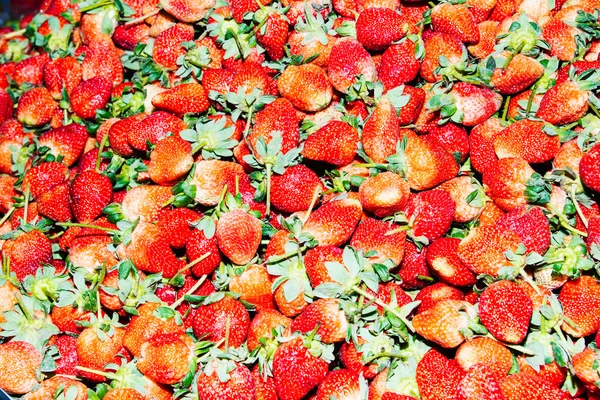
[19, 362]
[444, 261]
[175, 225]
[430, 295]
[56, 203]
[263, 324]
[27, 253]
[186, 10]
[348, 59]
[119, 131]
[376, 235]
[170, 160]
[326, 316]
[438, 377]
[306, 86]
[166, 358]
[483, 249]
[42, 178]
[446, 323]
[413, 270]
[30, 70]
[145, 202]
[481, 141]
[487, 39]
[198, 245]
[182, 99]
[456, 20]
[274, 34]
[430, 213]
[333, 223]
[522, 386]
[579, 299]
[531, 225]
[254, 287]
[90, 193]
[239, 235]
[223, 317]
[589, 168]
[519, 74]
[381, 131]
[566, 102]
[335, 143]
[509, 185]
[561, 37]
[102, 59]
[295, 189]
[384, 194]
[440, 44]
[428, 164]
[123, 394]
[95, 353]
[167, 45]
[68, 141]
[526, 139]
[36, 107]
[479, 383]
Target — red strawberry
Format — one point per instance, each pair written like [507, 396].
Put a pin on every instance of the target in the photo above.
[90, 96]
[476, 103]
[161, 258]
[527, 140]
[182, 99]
[479, 384]
[481, 142]
[36, 107]
[429, 296]
[531, 226]
[445, 322]
[410, 112]
[384, 194]
[240, 384]
[483, 249]
[487, 39]
[90, 193]
[123, 394]
[278, 116]
[443, 259]
[315, 263]
[373, 234]
[564, 103]
[44, 177]
[332, 224]
[145, 202]
[210, 178]
[210, 321]
[30, 70]
[341, 384]
[335, 143]
[6, 106]
[166, 358]
[377, 28]
[119, 131]
[455, 19]
[128, 36]
[254, 287]
[580, 299]
[505, 310]
[197, 246]
[153, 128]
[428, 164]
[67, 348]
[28, 252]
[186, 10]
[414, 271]
[488, 352]
[348, 59]
[239, 235]
[275, 34]
[381, 131]
[68, 142]
[296, 370]
[306, 86]
[170, 160]
[325, 314]
[94, 353]
[561, 37]
[438, 377]
[262, 326]
[55, 203]
[19, 362]
[440, 44]
[295, 189]
[522, 386]
[506, 182]
[430, 213]
[589, 168]
[102, 59]
[175, 225]
[167, 45]
[521, 72]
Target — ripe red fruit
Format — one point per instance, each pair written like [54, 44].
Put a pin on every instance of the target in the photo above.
[90, 193]
[90, 96]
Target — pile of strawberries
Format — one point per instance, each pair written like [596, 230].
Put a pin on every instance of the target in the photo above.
[363, 199]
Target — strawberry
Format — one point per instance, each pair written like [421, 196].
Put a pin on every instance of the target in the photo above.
[507, 182]
[438, 377]
[479, 383]
[579, 67]
[44, 177]
[199, 245]
[348, 59]
[68, 141]
[341, 384]
[90, 193]
[306, 86]
[326, 316]
[94, 353]
[55, 203]
[166, 358]
[185, 10]
[315, 263]
[128, 36]
[332, 224]
[445, 322]
[505, 310]
[119, 131]
[579, 299]
[373, 234]
[30, 70]
[410, 112]
[444, 261]
[213, 321]
[456, 20]
[440, 44]
[565, 103]
[294, 190]
[162, 259]
[175, 225]
[123, 394]
[588, 168]
[182, 99]
[102, 59]
[335, 143]
[384, 194]
[36, 107]
[238, 235]
[531, 225]
[561, 38]
[252, 75]
[28, 252]
[275, 33]
[277, 116]
[53, 385]
[145, 202]
[6, 106]
[428, 164]
[254, 287]
[210, 178]
[430, 213]
[522, 386]
[170, 160]
[239, 385]
[153, 128]
[145, 325]
[452, 137]
[583, 364]
[496, 357]
[167, 45]
[527, 140]
[487, 38]
[460, 190]
[263, 324]
[297, 368]
[476, 104]
[414, 271]
[430, 295]
[521, 72]
[377, 28]
[19, 362]
[483, 249]
[381, 131]
[90, 96]
[481, 142]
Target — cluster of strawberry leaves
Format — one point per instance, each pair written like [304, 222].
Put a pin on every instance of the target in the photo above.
[367, 199]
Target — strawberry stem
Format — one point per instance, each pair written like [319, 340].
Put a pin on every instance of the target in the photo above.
[276, 259]
[90, 226]
[577, 206]
[564, 222]
[397, 230]
[142, 18]
[506, 107]
[381, 355]
[7, 215]
[26, 206]
[190, 265]
[268, 209]
[95, 6]
[248, 122]
[531, 97]
[23, 308]
[313, 202]
[425, 278]
[107, 375]
[100, 150]
[13, 34]
[512, 55]
[227, 329]
[385, 306]
[178, 302]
